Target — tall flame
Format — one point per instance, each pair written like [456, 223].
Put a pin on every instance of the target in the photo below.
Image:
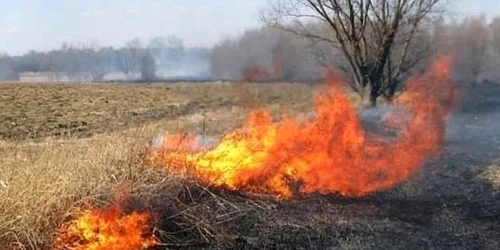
[107, 229]
[330, 154]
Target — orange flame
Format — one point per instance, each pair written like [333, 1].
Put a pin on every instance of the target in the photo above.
[107, 229]
[330, 154]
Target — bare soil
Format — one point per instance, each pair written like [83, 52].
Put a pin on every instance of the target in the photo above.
[35, 111]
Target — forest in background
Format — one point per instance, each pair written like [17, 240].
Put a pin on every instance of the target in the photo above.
[263, 54]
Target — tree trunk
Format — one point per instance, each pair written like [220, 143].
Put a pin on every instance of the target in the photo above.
[391, 91]
[361, 92]
[389, 98]
[374, 93]
[375, 88]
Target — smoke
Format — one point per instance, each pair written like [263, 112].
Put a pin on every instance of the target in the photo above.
[330, 154]
[193, 66]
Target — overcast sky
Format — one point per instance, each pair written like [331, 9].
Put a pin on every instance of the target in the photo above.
[46, 24]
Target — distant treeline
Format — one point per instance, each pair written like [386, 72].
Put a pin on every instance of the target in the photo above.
[269, 53]
[159, 58]
[264, 54]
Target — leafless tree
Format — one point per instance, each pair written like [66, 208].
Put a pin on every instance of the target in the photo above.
[169, 51]
[98, 62]
[91, 62]
[472, 48]
[148, 67]
[7, 72]
[265, 54]
[129, 58]
[494, 28]
[494, 44]
[374, 36]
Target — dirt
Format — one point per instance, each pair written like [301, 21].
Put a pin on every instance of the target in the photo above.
[37, 111]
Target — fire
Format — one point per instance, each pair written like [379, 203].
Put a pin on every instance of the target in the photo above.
[107, 229]
[330, 154]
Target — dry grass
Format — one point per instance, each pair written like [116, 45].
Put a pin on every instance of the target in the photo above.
[32, 111]
[492, 175]
[40, 181]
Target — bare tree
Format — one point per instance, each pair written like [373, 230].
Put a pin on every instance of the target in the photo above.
[494, 43]
[129, 58]
[472, 48]
[286, 59]
[367, 33]
[169, 51]
[97, 61]
[148, 67]
[494, 28]
[7, 72]
[265, 54]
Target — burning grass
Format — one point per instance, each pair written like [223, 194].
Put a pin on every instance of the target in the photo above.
[107, 228]
[53, 190]
[60, 186]
[40, 181]
[329, 154]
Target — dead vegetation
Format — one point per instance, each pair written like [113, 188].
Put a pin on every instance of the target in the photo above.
[41, 180]
[42, 183]
[453, 204]
[34, 111]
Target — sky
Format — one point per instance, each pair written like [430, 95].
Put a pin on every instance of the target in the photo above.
[46, 24]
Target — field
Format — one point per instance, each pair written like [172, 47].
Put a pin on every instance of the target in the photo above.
[65, 111]
[64, 147]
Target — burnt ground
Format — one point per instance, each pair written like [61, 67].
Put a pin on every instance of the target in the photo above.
[452, 204]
